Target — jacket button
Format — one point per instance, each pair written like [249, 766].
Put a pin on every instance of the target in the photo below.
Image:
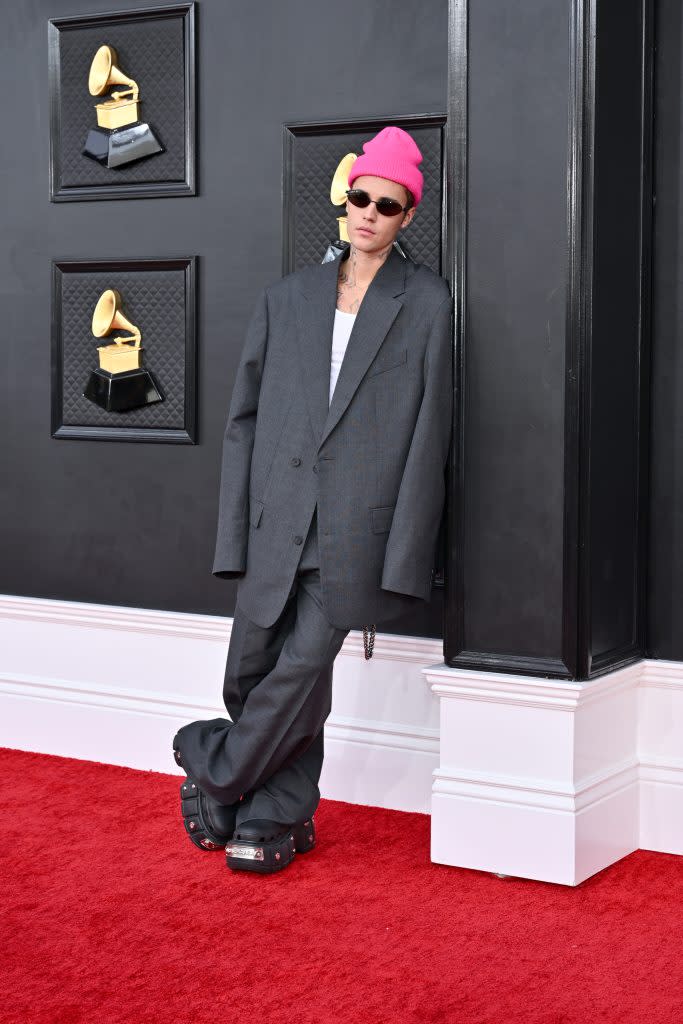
[315, 469]
[298, 539]
[295, 461]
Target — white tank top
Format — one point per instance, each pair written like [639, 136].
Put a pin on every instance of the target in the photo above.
[343, 323]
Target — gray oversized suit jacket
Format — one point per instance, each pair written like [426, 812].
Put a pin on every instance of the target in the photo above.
[374, 461]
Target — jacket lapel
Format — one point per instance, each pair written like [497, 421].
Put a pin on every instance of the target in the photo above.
[315, 313]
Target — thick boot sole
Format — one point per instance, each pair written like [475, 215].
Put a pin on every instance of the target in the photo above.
[304, 835]
[264, 856]
[270, 852]
[196, 826]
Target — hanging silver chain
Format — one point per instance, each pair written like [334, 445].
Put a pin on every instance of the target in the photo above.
[368, 646]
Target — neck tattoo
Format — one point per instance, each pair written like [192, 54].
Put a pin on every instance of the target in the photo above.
[350, 290]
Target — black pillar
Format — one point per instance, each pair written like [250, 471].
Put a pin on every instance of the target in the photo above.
[549, 189]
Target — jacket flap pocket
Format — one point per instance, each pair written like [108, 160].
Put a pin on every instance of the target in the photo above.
[388, 361]
[255, 510]
[380, 518]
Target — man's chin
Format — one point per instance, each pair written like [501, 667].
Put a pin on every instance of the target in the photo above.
[368, 244]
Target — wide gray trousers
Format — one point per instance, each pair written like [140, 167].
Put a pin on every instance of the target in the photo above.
[278, 692]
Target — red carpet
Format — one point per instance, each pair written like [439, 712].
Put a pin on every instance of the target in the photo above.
[109, 914]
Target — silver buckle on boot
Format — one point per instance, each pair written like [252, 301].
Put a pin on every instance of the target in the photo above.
[245, 852]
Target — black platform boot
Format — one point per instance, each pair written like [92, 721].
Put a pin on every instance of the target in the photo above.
[260, 845]
[265, 846]
[304, 835]
[209, 825]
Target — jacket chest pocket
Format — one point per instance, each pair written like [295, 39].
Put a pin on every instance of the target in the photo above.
[381, 517]
[255, 510]
[388, 361]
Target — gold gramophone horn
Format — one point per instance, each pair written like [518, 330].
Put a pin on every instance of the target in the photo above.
[108, 317]
[105, 72]
[340, 181]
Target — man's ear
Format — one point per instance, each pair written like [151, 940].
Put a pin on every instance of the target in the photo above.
[408, 217]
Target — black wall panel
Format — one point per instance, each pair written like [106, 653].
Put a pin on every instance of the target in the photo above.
[517, 266]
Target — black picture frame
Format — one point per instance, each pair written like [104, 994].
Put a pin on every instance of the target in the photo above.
[179, 384]
[296, 133]
[165, 33]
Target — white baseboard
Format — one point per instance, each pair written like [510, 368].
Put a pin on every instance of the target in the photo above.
[556, 780]
[660, 747]
[114, 684]
[522, 776]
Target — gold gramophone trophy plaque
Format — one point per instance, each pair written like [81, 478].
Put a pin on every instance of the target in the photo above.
[121, 382]
[340, 183]
[120, 136]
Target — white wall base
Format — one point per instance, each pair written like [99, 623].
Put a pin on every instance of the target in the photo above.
[114, 684]
[557, 780]
[660, 752]
[523, 776]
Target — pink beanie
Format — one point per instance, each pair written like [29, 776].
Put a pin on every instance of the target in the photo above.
[393, 154]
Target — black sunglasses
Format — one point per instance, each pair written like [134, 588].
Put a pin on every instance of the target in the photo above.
[386, 206]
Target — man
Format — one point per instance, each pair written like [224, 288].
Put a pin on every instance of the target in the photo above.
[332, 492]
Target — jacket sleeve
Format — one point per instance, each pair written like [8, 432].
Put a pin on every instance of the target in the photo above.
[411, 544]
[230, 559]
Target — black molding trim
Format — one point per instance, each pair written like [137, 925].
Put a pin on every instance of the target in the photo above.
[456, 235]
[188, 435]
[513, 664]
[148, 190]
[646, 313]
[576, 603]
[637, 649]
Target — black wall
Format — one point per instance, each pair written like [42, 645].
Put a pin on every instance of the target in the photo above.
[133, 523]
